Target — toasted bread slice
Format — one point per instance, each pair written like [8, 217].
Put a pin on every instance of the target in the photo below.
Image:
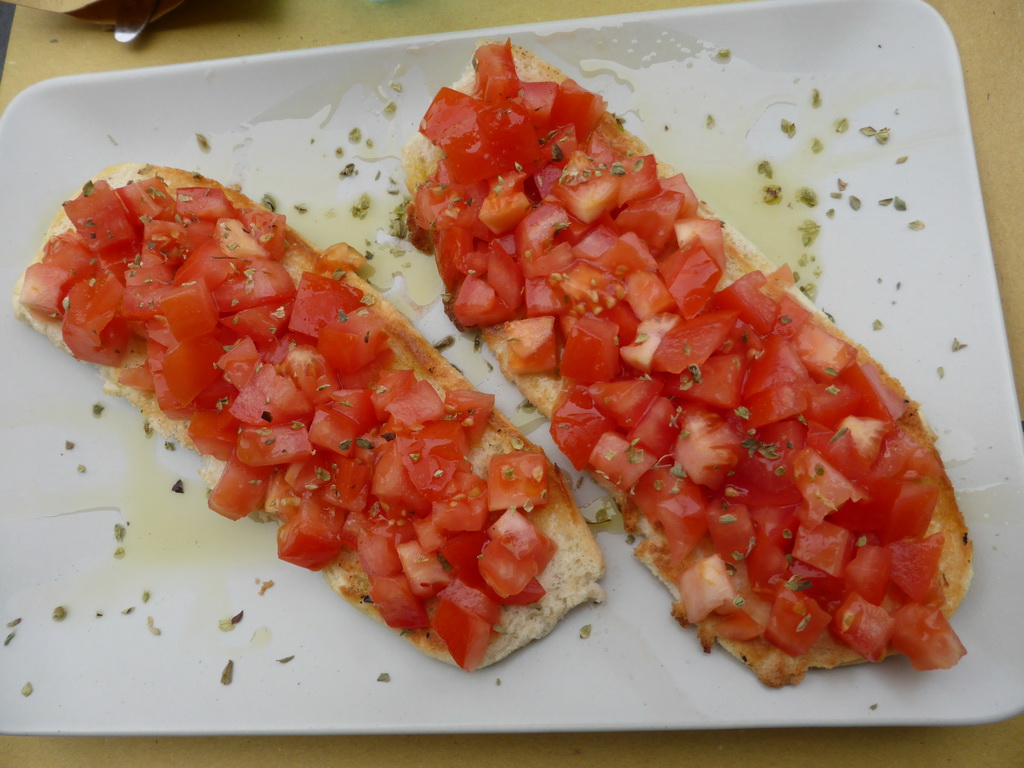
[772, 666]
[572, 576]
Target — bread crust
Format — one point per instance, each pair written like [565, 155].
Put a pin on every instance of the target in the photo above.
[772, 666]
[572, 576]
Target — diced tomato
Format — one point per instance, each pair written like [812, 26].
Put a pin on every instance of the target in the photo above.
[867, 573]
[310, 538]
[439, 207]
[273, 444]
[208, 264]
[462, 512]
[591, 352]
[639, 179]
[393, 486]
[731, 529]
[267, 228]
[239, 362]
[190, 366]
[398, 606]
[471, 410]
[414, 406]
[478, 304]
[213, 433]
[589, 289]
[537, 232]
[321, 300]
[147, 199]
[350, 344]
[765, 476]
[505, 573]
[145, 289]
[796, 622]
[695, 232]
[825, 355]
[739, 626]
[915, 564]
[532, 345]
[621, 462]
[423, 569]
[506, 204]
[577, 424]
[204, 203]
[878, 400]
[647, 294]
[865, 438]
[829, 403]
[91, 328]
[262, 324]
[705, 586]
[490, 140]
[656, 429]
[517, 533]
[863, 626]
[348, 487]
[746, 296]
[235, 241]
[639, 353]
[823, 487]
[911, 511]
[377, 550]
[578, 106]
[137, 377]
[767, 563]
[270, 398]
[240, 489]
[625, 400]
[331, 430]
[518, 479]
[538, 98]
[825, 546]
[691, 277]
[43, 288]
[667, 497]
[708, 446]
[585, 190]
[448, 109]
[925, 636]
[693, 341]
[257, 281]
[465, 633]
[718, 381]
[652, 218]
[496, 78]
[99, 216]
[777, 365]
[774, 404]
[505, 277]
[170, 241]
[432, 458]
[190, 310]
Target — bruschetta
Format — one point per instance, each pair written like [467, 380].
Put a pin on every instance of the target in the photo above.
[315, 403]
[788, 492]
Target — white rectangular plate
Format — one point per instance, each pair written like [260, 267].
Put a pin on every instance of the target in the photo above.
[275, 124]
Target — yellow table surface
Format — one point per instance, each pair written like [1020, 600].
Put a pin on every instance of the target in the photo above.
[990, 38]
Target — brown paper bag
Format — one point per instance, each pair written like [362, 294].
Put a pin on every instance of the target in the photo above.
[99, 11]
